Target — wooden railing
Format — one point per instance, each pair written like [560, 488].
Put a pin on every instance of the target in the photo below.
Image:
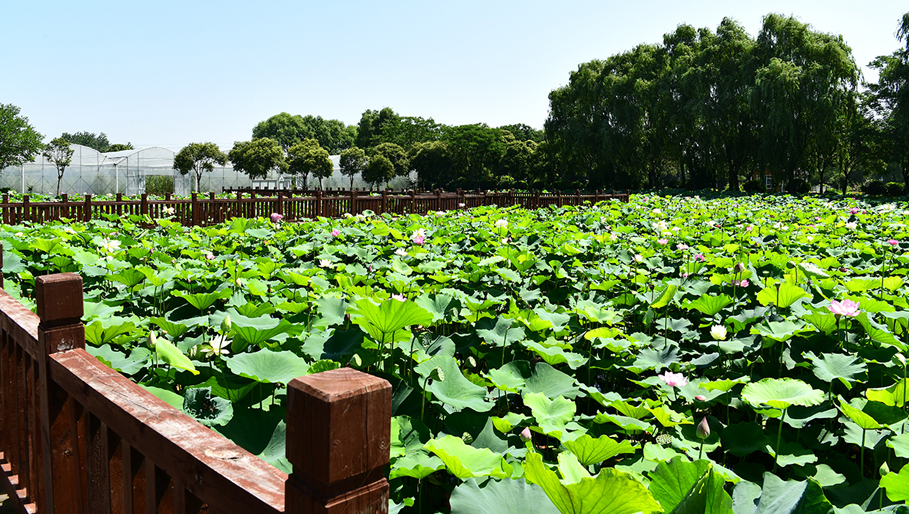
[199, 210]
[78, 437]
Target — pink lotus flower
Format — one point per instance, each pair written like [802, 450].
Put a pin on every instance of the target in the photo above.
[740, 283]
[419, 240]
[844, 308]
[681, 246]
[399, 297]
[210, 256]
[699, 257]
[335, 233]
[700, 398]
[525, 434]
[663, 241]
[853, 210]
[673, 379]
[275, 217]
[703, 430]
[893, 242]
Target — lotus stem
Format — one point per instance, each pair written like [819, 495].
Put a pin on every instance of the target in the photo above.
[779, 435]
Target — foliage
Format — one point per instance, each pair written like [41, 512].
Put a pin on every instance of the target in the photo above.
[97, 141]
[159, 184]
[289, 130]
[378, 170]
[60, 154]
[19, 141]
[874, 188]
[353, 162]
[199, 158]
[574, 348]
[308, 157]
[258, 157]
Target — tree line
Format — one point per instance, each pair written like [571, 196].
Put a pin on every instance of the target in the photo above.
[702, 109]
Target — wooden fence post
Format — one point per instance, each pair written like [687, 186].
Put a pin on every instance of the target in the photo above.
[119, 199]
[438, 199]
[6, 208]
[26, 215]
[338, 440]
[353, 203]
[194, 207]
[59, 308]
[384, 201]
[413, 201]
[88, 208]
[143, 209]
[318, 203]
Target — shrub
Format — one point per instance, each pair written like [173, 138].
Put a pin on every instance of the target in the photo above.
[159, 184]
[753, 186]
[893, 189]
[874, 188]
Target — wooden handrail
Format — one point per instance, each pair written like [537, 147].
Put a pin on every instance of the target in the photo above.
[76, 436]
[198, 210]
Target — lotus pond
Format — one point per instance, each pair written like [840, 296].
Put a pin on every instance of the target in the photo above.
[672, 354]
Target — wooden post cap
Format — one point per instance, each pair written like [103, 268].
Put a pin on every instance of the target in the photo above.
[338, 429]
[59, 298]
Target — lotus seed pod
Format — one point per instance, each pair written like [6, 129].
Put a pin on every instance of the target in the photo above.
[703, 430]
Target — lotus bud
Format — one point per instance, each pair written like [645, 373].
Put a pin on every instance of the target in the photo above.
[884, 469]
[152, 340]
[467, 438]
[525, 434]
[739, 267]
[225, 324]
[703, 430]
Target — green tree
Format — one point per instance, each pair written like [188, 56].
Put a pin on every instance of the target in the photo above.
[199, 158]
[19, 141]
[890, 102]
[476, 150]
[516, 162]
[801, 90]
[289, 130]
[378, 170]
[371, 126]
[353, 161]
[120, 147]
[59, 153]
[433, 163]
[308, 157]
[257, 157]
[90, 139]
[396, 155]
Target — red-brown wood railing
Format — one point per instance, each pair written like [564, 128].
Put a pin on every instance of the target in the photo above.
[199, 210]
[78, 437]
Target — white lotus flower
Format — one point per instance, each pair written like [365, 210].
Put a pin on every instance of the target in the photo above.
[718, 332]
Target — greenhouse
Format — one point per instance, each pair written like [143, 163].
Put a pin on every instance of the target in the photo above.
[133, 172]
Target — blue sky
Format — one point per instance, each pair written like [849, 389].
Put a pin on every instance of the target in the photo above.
[168, 73]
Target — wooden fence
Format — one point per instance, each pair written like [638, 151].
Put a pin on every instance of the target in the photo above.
[78, 437]
[199, 210]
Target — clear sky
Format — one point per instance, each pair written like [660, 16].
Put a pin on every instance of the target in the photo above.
[167, 72]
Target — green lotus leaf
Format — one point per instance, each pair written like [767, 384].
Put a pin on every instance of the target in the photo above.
[709, 305]
[778, 496]
[831, 366]
[781, 393]
[254, 331]
[894, 395]
[610, 492]
[202, 301]
[388, 316]
[417, 464]
[897, 485]
[465, 461]
[666, 295]
[555, 355]
[207, 409]
[690, 488]
[590, 450]
[550, 415]
[780, 330]
[900, 445]
[268, 367]
[453, 389]
[784, 297]
[500, 333]
[167, 352]
[500, 497]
